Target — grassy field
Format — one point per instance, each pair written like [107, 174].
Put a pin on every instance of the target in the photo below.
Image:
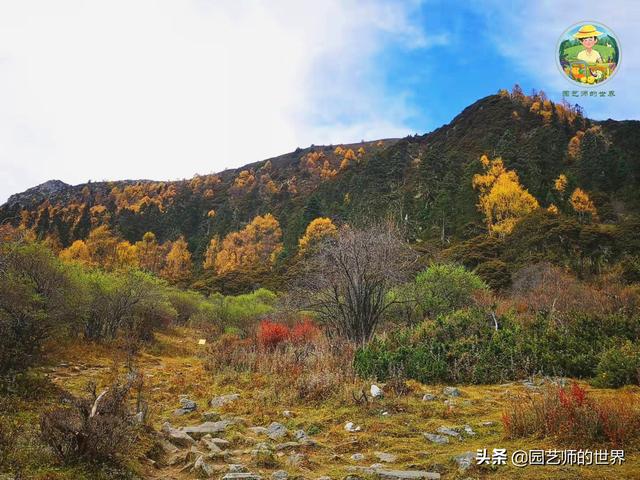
[394, 424]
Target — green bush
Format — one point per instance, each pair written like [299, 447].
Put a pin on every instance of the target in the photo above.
[618, 366]
[442, 289]
[242, 311]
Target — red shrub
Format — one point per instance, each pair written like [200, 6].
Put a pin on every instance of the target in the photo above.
[304, 332]
[271, 334]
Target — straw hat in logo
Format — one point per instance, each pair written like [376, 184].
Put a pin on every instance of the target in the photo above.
[587, 31]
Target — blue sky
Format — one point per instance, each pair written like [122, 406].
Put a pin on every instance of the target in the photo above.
[161, 89]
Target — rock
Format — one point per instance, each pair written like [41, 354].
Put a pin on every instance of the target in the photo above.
[428, 397]
[286, 446]
[176, 436]
[464, 460]
[242, 476]
[198, 431]
[302, 437]
[295, 459]
[211, 416]
[376, 391]
[357, 457]
[219, 401]
[208, 442]
[468, 430]
[324, 478]
[279, 475]
[237, 468]
[488, 423]
[451, 391]
[351, 427]
[386, 457]
[396, 474]
[448, 431]
[439, 439]
[259, 430]
[188, 405]
[376, 465]
[202, 469]
[287, 414]
[276, 431]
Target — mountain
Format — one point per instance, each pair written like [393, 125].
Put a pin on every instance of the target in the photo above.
[425, 182]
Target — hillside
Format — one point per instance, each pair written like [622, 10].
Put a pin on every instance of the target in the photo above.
[424, 182]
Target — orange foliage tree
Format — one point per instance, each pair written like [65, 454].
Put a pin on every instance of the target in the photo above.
[583, 205]
[502, 201]
[316, 231]
[178, 265]
[256, 245]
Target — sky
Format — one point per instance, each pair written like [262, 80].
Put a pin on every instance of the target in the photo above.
[165, 89]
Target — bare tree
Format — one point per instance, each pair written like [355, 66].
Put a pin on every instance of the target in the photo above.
[347, 281]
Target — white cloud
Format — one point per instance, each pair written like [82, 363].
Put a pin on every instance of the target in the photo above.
[165, 89]
[527, 33]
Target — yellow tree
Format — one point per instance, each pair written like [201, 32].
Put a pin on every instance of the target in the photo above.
[213, 248]
[502, 200]
[255, 246]
[77, 252]
[560, 183]
[583, 205]
[178, 265]
[102, 246]
[149, 253]
[126, 255]
[317, 230]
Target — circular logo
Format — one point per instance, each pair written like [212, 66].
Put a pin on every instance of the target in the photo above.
[588, 54]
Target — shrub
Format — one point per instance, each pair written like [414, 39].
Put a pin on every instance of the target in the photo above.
[442, 289]
[304, 332]
[495, 272]
[271, 334]
[572, 416]
[97, 429]
[618, 366]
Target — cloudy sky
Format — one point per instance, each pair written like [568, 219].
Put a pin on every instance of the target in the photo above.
[164, 89]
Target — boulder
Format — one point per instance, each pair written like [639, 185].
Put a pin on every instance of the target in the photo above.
[376, 391]
[357, 457]
[439, 439]
[386, 457]
[464, 460]
[202, 469]
[451, 391]
[428, 397]
[448, 431]
[352, 427]
[177, 436]
[199, 431]
[276, 430]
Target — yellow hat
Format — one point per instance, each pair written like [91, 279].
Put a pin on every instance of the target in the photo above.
[587, 31]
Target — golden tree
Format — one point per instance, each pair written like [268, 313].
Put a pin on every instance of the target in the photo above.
[102, 246]
[502, 200]
[177, 267]
[255, 246]
[560, 183]
[317, 230]
[149, 253]
[583, 205]
[126, 255]
[77, 252]
[213, 248]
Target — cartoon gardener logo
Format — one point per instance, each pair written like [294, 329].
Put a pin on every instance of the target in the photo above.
[588, 53]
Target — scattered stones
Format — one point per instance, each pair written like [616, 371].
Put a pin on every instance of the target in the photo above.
[351, 427]
[357, 457]
[302, 437]
[448, 431]
[428, 397]
[202, 469]
[464, 460]
[219, 401]
[176, 436]
[451, 391]
[468, 430]
[237, 468]
[211, 416]
[396, 474]
[279, 475]
[198, 431]
[208, 442]
[386, 457]
[376, 391]
[439, 439]
[276, 431]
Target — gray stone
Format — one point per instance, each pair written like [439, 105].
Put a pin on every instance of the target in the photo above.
[258, 430]
[464, 460]
[202, 469]
[276, 431]
[397, 474]
[357, 457]
[439, 439]
[188, 404]
[211, 416]
[177, 436]
[208, 442]
[386, 457]
[428, 397]
[488, 423]
[451, 391]
[448, 431]
[198, 431]
[468, 430]
[242, 476]
[286, 446]
[237, 468]
[219, 401]
[279, 475]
